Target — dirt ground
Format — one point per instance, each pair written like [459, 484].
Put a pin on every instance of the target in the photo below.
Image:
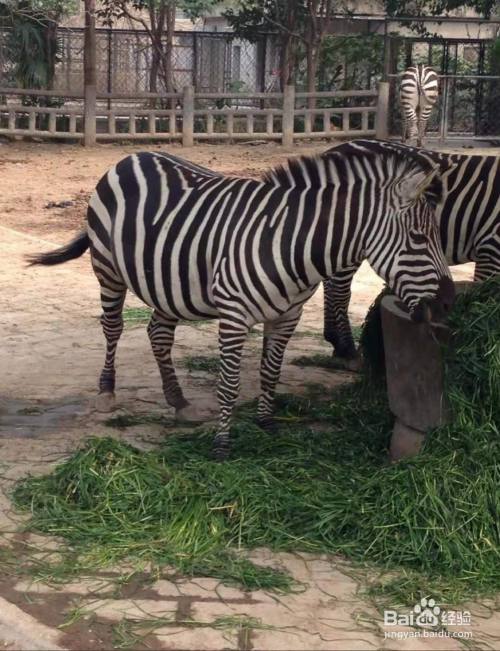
[51, 354]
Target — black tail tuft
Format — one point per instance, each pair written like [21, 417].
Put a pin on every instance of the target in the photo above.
[70, 251]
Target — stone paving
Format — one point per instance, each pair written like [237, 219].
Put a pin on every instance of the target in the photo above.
[325, 614]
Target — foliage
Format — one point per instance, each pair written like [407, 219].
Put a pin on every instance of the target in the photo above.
[484, 8]
[352, 60]
[319, 484]
[157, 19]
[32, 41]
[301, 26]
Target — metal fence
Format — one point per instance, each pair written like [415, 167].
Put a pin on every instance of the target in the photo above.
[192, 116]
[214, 62]
[210, 61]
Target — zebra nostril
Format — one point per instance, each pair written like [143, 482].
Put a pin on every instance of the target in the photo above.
[446, 293]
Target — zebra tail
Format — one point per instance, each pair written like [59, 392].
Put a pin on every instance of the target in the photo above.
[70, 251]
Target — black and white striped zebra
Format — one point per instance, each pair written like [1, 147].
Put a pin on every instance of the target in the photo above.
[418, 93]
[469, 225]
[194, 245]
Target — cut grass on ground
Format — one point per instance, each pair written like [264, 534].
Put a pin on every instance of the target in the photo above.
[320, 360]
[204, 363]
[320, 484]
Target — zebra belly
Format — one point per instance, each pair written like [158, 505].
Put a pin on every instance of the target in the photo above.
[165, 280]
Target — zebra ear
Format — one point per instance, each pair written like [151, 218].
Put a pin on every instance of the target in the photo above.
[414, 185]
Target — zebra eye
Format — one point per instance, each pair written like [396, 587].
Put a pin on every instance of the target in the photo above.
[419, 238]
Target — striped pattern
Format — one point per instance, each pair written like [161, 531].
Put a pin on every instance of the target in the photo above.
[469, 224]
[417, 95]
[196, 245]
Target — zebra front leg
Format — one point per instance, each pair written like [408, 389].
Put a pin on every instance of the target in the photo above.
[112, 300]
[488, 265]
[161, 332]
[276, 337]
[232, 335]
[337, 329]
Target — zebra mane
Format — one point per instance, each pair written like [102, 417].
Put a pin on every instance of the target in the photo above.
[316, 171]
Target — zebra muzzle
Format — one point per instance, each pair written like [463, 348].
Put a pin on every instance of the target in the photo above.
[435, 309]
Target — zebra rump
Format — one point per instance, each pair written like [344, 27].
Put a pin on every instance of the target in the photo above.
[417, 95]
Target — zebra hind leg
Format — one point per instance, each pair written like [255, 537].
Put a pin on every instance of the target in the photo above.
[421, 132]
[276, 337]
[161, 332]
[403, 133]
[232, 335]
[337, 329]
[112, 299]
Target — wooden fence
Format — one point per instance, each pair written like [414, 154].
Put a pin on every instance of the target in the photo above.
[197, 117]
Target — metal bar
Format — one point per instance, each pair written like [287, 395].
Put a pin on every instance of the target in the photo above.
[491, 77]
[195, 61]
[337, 93]
[237, 95]
[443, 127]
[110, 79]
[39, 93]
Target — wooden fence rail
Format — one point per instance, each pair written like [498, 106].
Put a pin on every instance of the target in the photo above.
[191, 117]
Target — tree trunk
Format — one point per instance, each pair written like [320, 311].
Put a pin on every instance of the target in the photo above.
[153, 72]
[51, 49]
[287, 62]
[312, 54]
[169, 49]
[89, 67]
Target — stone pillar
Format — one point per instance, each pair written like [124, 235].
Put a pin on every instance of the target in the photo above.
[188, 116]
[382, 115]
[415, 373]
[288, 117]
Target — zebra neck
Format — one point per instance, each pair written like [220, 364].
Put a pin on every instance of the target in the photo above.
[328, 233]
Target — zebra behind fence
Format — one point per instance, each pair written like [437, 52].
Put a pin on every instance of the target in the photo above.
[468, 219]
[417, 95]
[194, 245]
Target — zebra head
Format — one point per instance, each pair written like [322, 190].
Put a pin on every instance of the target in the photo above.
[404, 248]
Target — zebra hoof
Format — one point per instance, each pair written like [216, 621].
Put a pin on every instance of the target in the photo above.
[105, 402]
[220, 448]
[267, 424]
[354, 364]
[188, 414]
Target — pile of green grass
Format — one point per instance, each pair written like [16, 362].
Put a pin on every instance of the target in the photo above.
[321, 484]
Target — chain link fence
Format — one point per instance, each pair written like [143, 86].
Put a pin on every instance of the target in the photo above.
[211, 62]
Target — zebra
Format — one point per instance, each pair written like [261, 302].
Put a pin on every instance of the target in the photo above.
[417, 95]
[195, 245]
[469, 225]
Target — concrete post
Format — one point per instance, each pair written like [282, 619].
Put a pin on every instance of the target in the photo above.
[287, 121]
[382, 116]
[90, 84]
[188, 116]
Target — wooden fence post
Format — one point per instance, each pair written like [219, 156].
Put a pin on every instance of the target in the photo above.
[90, 86]
[382, 116]
[188, 116]
[287, 121]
